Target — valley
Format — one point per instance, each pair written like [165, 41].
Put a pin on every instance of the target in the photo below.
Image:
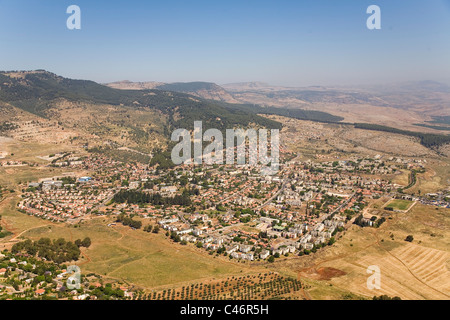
[80, 160]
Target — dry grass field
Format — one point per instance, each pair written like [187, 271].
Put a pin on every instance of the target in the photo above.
[401, 179]
[418, 270]
[118, 252]
[436, 178]
[332, 140]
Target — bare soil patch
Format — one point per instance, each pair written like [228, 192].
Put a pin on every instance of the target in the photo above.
[322, 273]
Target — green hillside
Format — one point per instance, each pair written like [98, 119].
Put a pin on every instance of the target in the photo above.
[36, 92]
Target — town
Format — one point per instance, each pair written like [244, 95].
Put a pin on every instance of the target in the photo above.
[227, 210]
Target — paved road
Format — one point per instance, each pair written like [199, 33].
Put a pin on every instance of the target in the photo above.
[283, 185]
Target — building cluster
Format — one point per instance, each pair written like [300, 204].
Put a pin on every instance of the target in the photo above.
[26, 277]
[234, 210]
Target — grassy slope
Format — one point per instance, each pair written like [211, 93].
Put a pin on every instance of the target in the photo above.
[411, 271]
[134, 256]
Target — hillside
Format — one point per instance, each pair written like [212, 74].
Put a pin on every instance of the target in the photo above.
[44, 108]
[39, 91]
[144, 119]
[128, 85]
[204, 90]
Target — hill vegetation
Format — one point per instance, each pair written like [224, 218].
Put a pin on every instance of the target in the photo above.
[139, 197]
[36, 91]
[428, 140]
[58, 250]
[300, 114]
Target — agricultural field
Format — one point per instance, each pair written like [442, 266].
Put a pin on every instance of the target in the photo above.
[261, 286]
[401, 205]
[417, 270]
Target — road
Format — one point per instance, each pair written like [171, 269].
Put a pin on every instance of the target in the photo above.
[323, 218]
[283, 185]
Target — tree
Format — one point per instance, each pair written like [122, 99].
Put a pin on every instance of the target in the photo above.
[86, 242]
[409, 238]
[385, 297]
[331, 241]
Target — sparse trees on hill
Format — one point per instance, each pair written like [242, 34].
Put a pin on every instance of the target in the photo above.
[58, 250]
[127, 221]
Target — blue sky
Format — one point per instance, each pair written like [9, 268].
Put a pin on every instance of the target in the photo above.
[296, 43]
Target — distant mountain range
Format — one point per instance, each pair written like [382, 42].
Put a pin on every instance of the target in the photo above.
[240, 86]
[143, 115]
[212, 91]
[408, 105]
[430, 98]
[413, 86]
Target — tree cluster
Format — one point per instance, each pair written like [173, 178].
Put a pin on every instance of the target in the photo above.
[58, 250]
[139, 197]
[127, 221]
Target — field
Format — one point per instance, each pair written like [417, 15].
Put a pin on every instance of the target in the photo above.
[29, 152]
[401, 205]
[256, 286]
[437, 177]
[401, 178]
[333, 140]
[418, 270]
[133, 256]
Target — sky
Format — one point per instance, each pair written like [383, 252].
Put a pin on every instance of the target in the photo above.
[281, 42]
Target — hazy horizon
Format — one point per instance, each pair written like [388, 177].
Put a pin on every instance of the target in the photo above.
[368, 85]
